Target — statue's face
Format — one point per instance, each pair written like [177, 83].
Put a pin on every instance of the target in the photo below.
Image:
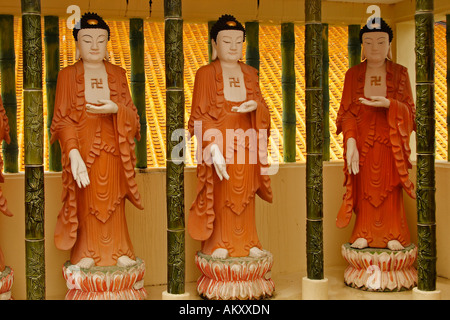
[376, 46]
[92, 44]
[229, 45]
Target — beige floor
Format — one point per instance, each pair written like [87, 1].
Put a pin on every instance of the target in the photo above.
[289, 287]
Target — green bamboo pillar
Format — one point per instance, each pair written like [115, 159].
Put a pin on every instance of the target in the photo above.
[448, 82]
[326, 93]
[425, 139]
[314, 140]
[288, 91]
[354, 45]
[210, 24]
[138, 86]
[34, 147]
[51, 40]
[175, 169]
[252, 40]
[8, 91]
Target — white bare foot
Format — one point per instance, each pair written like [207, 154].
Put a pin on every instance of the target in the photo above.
[86, 263]
[125, 261]
[255, 252]
[395, 245]
[360, 243]
[220, 253]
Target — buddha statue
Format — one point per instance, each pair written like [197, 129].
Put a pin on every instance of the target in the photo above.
[228, 105]
[96, 123]
[376, 117]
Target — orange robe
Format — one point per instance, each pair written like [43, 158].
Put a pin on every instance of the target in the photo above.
[382, 136]
[92, 220]
[223, 213]
[4, 135]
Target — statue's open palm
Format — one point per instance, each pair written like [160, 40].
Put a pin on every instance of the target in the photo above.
[78, 167]
[219, 162]
[376, 101]
[108, 106]
[352, 156]
[247, 106]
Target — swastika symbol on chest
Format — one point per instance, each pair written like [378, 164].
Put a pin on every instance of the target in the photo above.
[375, 81]
[97, 83]
[234, 82]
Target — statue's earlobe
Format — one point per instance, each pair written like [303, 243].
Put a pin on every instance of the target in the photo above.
[107, 55]
[214, 50]
[363, 55]
[77, 54]
[389, 55]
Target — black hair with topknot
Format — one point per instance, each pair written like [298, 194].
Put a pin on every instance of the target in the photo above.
[90, 20]
[382, 27]
[225, 22]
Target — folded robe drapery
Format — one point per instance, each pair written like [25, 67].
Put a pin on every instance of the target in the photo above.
[382, 136]
[222, 215]
[4, 135]
[106, 144]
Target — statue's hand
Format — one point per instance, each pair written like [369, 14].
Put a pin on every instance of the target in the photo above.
[247, 106]
[78, 167]
[108, 106]
[352, 156]
[219, 162]
[376, 101]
